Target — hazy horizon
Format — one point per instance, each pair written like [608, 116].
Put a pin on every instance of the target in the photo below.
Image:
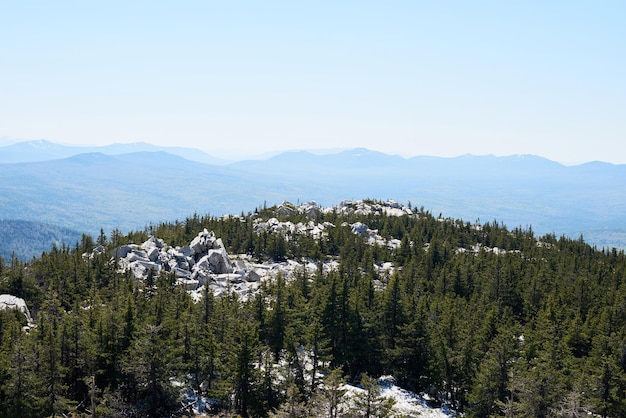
[230, 156]
[407, 78]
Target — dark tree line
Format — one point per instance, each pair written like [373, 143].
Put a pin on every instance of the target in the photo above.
[536, 330]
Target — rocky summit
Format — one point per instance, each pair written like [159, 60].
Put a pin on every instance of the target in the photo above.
[205, 261]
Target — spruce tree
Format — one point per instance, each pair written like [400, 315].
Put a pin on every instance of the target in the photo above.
[369, 403]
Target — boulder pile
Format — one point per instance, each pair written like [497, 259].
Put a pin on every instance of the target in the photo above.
[363, 207]
[204, 259]
[204, 262]
[310, 228]
[371, 236]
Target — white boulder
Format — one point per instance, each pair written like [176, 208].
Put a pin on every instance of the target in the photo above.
[153, 254]
[202, 243]
[13, 302]
[152, 242]
[219, 261]
[123, 250]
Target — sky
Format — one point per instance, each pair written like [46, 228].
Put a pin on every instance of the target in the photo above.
[250, 77]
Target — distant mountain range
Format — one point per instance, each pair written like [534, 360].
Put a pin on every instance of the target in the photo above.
[89, 191]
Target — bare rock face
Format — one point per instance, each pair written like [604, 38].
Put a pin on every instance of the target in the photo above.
[202, 243]
[152, 242]
[219, 261]
[153, 254]
[136, 256]
[203, 262]
[360, 229]
[206, 263]
[123, 250]
[13, 302]
[254, 276]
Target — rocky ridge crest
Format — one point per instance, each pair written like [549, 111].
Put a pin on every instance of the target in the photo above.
[205, 261]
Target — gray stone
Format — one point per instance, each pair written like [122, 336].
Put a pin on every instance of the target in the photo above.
[186, 250]
[253, 276]
[123, 250]
[200, 276]
[189, 284]
[220, 263]
[153, 254]
[178, 272]
[152, 242]
[203, 264]
[171, 264]
[137, 256]
[218, 244]
[202, 243]
[13, 302]
[360, 229]
[190, 261]
[183, 264]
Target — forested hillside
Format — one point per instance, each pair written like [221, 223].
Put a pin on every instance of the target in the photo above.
[25, 239]
[489, 320]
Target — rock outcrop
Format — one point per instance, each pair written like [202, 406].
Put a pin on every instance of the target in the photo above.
[205, 261]
[13, 302]
[371, 235]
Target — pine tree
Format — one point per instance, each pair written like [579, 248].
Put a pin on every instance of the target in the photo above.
[369, 403]
[411, 361]
[544, 373]
[292, 407]
[245, 376]
[320, 351]
[150, 364]
[277, 316]
[329, 399]
[15, 380]
[47, 370]
[490, 387]
[392, 310]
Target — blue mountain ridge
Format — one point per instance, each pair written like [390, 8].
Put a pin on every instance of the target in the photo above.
[86, 192]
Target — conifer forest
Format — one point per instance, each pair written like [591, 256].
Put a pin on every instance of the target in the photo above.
[488, 319]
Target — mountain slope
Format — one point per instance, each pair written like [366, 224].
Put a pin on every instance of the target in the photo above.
[27, 239]
[89, 191]
[239, 305]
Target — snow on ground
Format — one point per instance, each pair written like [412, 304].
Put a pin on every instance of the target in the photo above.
[408, 403]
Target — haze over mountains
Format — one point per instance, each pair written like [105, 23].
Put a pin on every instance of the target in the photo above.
[43, 150]
[129, 186]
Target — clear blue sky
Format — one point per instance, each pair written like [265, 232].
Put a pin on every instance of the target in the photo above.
[407, 77]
